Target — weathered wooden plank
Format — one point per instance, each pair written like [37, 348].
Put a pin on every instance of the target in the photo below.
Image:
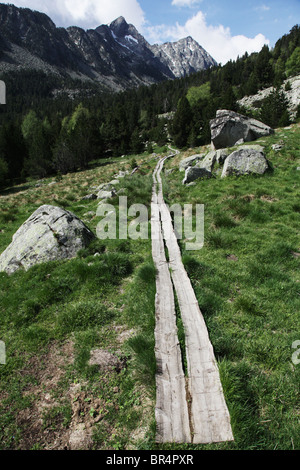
[172, 418]
[209, 413]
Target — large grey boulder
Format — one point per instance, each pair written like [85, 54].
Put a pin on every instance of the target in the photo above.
[49, 234]
[190, 161]
[208, 162]
[244, 162]
[106, 194]
[229, 127]
[193, 173]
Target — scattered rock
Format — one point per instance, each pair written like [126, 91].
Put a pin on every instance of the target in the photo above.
[277, 147]
[105, 187]
[189, 161]
[122, 174]
[245, 162]
[89, 197]
[89, 214]
[102, 194]
[49, 234]
[232, 258]
[193, 173]
[208, 162]
[229, 127]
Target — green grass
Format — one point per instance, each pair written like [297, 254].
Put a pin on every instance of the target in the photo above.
[81, 304]
[246, 281]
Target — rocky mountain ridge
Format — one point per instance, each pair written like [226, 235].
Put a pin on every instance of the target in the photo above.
[115, 55]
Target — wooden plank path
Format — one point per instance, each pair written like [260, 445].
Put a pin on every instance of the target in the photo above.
[172, 417]
[192, 410]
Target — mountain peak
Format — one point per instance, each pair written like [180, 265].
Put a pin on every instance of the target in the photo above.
[119, 26]
[116, 54]
[119, 21]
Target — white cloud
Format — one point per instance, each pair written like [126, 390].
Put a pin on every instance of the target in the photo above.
[262, 8]
[217, 40]
[185, 3]
[87, 13]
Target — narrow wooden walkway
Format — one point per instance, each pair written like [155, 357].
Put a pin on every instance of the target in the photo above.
[191, 409]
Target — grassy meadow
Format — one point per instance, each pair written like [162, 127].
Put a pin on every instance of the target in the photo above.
[246, 279]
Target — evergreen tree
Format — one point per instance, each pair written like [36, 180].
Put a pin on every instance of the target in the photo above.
[12, 148]
[38, 141]
[274, 110]
[63, 157]
[3, 172]
[182, 123]
[293, 63]
[263, 68]
[136, 144]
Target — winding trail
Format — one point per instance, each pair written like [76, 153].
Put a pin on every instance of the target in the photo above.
[189, 409]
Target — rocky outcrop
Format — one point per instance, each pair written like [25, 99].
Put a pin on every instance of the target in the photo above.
[204, 165]
[208, 162]
[230, 128]
[248, 159]
[290, 88]
[245, 161]
[49, 234]
[190, 161]
[193, 173]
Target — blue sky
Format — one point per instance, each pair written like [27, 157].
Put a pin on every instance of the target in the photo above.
[225, 28]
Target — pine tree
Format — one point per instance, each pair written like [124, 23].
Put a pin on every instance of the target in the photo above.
[182, 122]
[12, 148]
[3, 172]
[274, 110]
[38, 141]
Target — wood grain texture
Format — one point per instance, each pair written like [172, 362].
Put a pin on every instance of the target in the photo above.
[209, 419]
[172, 418]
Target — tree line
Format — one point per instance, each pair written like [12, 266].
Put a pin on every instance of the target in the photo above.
[44, 133]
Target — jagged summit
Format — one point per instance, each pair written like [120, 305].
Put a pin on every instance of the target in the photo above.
[118, 24]
[116, 55]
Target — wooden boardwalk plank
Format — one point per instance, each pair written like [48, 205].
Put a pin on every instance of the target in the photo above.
[172, 418]
[209, 414]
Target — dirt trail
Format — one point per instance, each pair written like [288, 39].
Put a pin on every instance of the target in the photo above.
[192, 410]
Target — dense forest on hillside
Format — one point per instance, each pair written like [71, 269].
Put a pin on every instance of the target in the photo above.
[52, 125]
